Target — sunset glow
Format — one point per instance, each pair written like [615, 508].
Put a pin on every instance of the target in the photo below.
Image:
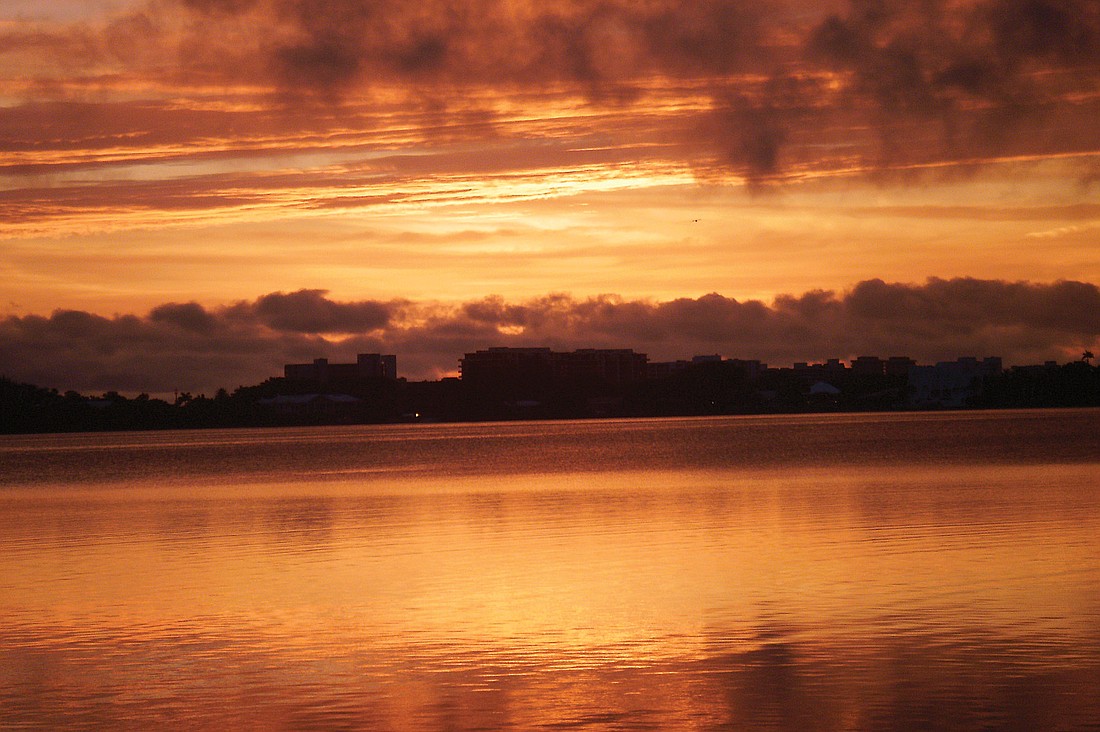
[542, 364]
[428, 157]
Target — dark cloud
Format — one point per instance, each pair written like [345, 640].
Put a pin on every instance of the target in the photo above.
[895, 84]
[324, 62]
[1061, 30]
[187, 346]
[220, 6]
[1064, 307]
[990, 75]
[188, 316]
[136, 125]
[936, 80]
[309, 311]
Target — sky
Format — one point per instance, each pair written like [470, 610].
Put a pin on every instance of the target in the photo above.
[195, 192]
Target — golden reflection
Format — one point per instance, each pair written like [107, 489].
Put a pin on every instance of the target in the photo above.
[564, 557]
[568, 595]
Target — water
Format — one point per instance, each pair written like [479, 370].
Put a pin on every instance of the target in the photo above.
[932, 571]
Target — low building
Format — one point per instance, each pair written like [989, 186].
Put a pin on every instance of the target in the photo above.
[612, 366]
[950, 384]
[752, 368]
[366, 366]
[868, 366]
[833, 369]
[899, 366]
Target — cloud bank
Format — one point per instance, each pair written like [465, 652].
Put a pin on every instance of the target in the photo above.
[763, 89]
[190, 347]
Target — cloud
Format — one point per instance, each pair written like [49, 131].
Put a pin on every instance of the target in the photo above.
[936, 81]
[189, 316]
[785, 89]
[189, 346]
[310, 311]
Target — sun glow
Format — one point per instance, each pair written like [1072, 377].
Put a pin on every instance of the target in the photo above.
[177, 151]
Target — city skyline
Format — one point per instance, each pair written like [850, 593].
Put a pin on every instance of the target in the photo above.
[193, 189]
[188, 347]
[538, 383]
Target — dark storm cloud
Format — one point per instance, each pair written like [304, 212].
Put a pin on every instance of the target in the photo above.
[935, 80]
[188, 316]
[499, 41]
[220, 6]
[309, 311]
[840, 85]
[948, 81]
[180, 345]
[1065, 307]
[188, 346]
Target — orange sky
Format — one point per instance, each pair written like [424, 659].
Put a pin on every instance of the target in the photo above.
[439, 153]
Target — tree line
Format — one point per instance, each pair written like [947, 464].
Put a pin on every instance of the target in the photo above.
[703, 389]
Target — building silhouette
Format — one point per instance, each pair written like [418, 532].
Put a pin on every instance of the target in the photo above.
[366, 366]
[751, 368]
[950, 384]
[598, 381]
[615, 367]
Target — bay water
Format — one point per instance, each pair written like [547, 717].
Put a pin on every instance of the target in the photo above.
[809, 572]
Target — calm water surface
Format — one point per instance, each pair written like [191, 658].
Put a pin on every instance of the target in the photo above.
[930, 571]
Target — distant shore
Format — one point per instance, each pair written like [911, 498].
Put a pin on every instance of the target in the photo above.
[708, 390]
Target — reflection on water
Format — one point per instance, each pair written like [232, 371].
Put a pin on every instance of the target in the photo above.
[853, 572]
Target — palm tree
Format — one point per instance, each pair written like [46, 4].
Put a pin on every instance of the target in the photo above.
[1086, 356]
